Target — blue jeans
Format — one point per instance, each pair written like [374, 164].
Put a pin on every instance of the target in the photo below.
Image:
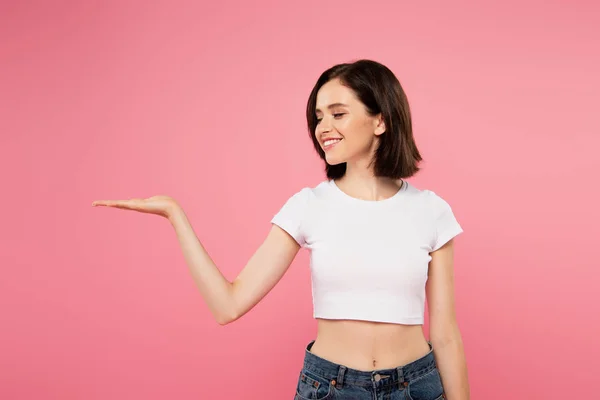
[324, 380]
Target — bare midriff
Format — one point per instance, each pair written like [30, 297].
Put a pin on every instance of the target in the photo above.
[368, 346]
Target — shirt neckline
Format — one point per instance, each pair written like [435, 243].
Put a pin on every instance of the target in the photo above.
[390, 199]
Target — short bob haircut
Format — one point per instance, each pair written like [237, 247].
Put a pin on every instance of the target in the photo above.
[380, 91]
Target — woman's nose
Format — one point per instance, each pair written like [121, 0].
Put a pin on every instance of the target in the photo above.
[324, 126]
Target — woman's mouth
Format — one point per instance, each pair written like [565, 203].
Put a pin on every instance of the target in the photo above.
[329, 143]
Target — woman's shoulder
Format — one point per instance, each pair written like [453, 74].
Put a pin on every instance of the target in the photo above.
[431, 199]
[304, 195]
[318, 189]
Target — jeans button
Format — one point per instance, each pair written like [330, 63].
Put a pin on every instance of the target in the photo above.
[377, 377]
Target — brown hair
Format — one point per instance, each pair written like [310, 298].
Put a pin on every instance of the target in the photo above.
[380, 91]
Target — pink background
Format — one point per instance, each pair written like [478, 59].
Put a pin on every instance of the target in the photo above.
[205, 102]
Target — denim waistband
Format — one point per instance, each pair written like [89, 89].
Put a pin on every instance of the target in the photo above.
[340, 374]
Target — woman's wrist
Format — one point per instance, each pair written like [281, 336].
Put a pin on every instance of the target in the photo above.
[174, 211]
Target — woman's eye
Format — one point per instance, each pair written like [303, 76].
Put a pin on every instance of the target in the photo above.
[338, 115]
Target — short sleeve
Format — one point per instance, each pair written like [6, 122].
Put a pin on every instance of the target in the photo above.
[445, 226]
[290, 216]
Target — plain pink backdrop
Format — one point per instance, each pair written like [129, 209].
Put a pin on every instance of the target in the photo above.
[205, 101]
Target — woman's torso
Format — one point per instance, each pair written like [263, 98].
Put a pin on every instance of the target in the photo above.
[369, 262]
[366, 346]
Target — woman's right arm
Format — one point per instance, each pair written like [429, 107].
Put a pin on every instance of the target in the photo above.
[227, 300]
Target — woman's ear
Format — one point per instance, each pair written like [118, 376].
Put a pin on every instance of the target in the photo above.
[379, 125]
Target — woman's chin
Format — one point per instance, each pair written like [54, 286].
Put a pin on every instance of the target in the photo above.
[333, 160]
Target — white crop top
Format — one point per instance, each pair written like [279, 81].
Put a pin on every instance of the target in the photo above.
[368, 259]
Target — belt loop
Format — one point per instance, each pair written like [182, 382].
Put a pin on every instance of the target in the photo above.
[340, 378]
[401, 384]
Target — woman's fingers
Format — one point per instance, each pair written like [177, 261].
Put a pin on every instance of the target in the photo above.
[100, 203]
[160, 205]
[131, 204]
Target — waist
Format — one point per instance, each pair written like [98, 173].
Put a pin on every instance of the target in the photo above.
[366, 346]
[403, 373]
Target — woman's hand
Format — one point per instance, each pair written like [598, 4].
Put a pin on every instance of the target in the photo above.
[164, 206]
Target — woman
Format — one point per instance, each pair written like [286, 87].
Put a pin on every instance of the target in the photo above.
[378, 247]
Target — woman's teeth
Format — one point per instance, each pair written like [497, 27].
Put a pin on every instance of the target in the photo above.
[330, 142]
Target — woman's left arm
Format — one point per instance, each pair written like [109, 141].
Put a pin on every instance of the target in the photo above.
[444, 333]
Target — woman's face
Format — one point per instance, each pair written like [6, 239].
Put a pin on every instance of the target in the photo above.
[345, 131]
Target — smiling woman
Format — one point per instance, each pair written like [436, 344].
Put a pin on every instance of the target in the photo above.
[347, 104]
[378, 247]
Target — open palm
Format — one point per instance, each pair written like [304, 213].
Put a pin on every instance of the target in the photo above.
[159, 205]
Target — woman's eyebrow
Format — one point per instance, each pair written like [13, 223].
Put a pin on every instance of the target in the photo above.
[334, 105]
